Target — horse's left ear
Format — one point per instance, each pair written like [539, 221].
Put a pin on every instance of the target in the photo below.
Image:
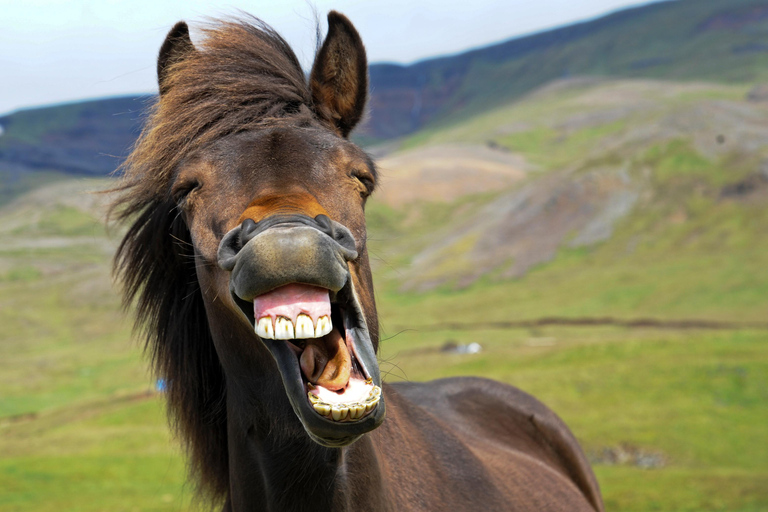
[339, 78]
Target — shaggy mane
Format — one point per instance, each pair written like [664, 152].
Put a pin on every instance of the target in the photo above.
[242, 76]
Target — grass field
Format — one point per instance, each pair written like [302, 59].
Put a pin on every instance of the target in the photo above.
[672, 419]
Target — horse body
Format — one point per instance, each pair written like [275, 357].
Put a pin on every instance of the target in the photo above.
[246, 256]
[453, 444]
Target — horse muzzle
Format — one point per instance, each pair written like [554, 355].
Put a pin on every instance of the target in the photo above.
[290, 278]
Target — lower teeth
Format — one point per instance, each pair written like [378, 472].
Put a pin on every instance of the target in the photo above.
[340, 412]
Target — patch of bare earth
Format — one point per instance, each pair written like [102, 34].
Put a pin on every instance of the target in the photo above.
[579, 203]
[446, 173]
[526, 227]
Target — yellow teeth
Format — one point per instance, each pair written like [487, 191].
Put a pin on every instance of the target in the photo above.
[338, 412]
[342, 412]
[324, 326]
[285, 329]
[356, 411]
[304, 327]
[322, 409]
[264, 328]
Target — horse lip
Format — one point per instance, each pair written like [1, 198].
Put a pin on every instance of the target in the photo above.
[283, 255]
[233, 241]
[321, 429]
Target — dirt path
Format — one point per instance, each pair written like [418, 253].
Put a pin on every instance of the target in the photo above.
[653, 323]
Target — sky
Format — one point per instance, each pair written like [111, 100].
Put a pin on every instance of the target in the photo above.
[66, 50]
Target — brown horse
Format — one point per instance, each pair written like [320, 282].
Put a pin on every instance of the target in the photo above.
[246, 259]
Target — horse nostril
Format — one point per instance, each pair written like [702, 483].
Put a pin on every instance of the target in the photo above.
[325, 225]
[246, 228]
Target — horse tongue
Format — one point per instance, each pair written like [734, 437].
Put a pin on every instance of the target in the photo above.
[326, 361]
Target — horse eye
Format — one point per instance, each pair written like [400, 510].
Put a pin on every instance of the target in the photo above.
[365, 180]
[181, 192]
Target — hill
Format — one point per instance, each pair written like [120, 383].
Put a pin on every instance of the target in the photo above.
[612, 171]
[83, 138]
[672, 417]
[713, 40]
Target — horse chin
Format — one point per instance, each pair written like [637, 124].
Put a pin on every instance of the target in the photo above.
[331, 417]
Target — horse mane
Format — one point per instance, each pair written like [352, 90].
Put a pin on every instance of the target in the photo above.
[243, 75]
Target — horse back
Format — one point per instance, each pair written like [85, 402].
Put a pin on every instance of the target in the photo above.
[492, 435]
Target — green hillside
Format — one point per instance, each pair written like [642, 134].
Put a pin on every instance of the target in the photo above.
[662, 190]
[642, 198]
[84, 138]
[714, 40]
[78, 430]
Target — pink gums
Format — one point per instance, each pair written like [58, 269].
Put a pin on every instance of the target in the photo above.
[291, 300]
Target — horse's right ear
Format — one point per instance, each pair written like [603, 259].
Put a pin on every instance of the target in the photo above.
[176, 46]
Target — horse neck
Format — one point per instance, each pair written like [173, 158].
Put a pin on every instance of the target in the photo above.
[302, 475]
[273, 464]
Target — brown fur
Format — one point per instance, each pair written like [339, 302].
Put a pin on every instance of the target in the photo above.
[244, 76]
[282, 205]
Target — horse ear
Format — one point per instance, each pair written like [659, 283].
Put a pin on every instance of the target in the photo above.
[339, 78]
[176, 46]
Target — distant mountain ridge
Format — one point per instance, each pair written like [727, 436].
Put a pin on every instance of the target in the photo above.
[90, 137]
[716, 40]
[713, 40]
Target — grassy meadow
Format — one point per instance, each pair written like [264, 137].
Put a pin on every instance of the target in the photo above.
[672, 419]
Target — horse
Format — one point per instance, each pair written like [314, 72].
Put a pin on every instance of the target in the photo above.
[245, 259]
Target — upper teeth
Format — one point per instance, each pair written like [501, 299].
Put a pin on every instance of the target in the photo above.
[284, 328]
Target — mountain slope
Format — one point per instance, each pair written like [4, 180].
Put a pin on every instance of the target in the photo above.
[83, 138]
[714, 40]
[640, 198]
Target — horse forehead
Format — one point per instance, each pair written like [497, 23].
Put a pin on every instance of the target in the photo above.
[289, 148]
[283, 158]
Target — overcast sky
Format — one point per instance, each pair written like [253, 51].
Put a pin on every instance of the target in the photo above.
[55, 51]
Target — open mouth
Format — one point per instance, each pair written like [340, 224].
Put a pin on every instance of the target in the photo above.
[319, 328]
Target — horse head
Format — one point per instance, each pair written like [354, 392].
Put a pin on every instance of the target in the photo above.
[275, 215]
[246, 199]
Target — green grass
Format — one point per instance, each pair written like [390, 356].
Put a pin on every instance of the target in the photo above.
[63, 221]
[106, 457]
[15, 184]
[78, 430]
[639, 490]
